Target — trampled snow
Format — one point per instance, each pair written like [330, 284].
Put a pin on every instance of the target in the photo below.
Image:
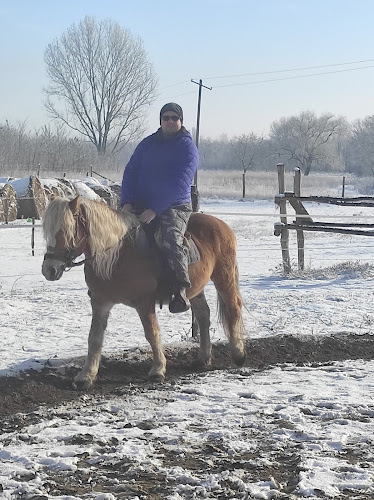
[320, 416]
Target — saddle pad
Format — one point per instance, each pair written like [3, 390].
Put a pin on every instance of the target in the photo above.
[193, 252]
[147, 242]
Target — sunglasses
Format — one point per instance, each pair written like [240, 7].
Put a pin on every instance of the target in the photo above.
[166, 118]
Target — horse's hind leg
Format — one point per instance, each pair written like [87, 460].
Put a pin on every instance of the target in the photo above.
[148, 317]
[201, 312]
[100, 314]
[230, 306]
[230, 310]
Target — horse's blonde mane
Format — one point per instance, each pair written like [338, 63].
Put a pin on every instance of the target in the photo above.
[106, 229]
[58, 216]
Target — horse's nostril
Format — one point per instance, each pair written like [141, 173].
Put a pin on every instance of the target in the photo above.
[51, 272]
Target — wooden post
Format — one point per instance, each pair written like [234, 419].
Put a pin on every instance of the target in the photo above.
[33, 237]
[343, 188]
[6, 210]
[283, 210]
[243, 185]
[299, 232]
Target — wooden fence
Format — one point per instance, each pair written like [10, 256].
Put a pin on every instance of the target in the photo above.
[304, 222]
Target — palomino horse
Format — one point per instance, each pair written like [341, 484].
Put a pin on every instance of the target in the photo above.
[121, 267]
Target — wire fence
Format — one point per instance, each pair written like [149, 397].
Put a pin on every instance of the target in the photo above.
[257, 249]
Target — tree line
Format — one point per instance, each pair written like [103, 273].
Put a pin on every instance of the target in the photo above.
[49, 151]
[313, 143]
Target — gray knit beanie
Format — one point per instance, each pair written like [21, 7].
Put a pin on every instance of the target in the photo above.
[172, 106]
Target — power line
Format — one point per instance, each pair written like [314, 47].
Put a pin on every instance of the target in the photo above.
[290, 70]
[175, 84]
[186, 93]
[293, 77]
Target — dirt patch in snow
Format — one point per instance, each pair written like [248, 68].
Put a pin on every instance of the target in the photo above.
[126, 374]
[24, 393]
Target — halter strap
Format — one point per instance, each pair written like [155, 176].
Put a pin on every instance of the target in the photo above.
[68, 255]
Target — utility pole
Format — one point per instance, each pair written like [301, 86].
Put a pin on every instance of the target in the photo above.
[194, 190]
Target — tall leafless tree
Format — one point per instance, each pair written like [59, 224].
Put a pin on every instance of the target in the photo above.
[306, 138]
[101, 82]
[246, 150]
[361, 147]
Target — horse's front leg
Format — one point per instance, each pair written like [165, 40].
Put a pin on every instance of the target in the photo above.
[147, 314]
[100, 314]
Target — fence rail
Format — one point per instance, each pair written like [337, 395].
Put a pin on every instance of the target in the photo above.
[305, 222]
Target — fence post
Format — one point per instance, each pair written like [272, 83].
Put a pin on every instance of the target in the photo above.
[299, 232]
[6, 209]
[283, 211]
[33, 237]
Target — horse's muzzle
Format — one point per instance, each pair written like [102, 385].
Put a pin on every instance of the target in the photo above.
[53, 269]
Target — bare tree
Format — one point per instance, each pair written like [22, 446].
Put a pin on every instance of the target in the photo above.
[246, 150]
[361, 147]
[101, 82]
[305, 138]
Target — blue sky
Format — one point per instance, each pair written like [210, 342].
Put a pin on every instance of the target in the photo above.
[213, 40]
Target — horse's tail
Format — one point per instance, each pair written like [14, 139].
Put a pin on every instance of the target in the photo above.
[230, 316]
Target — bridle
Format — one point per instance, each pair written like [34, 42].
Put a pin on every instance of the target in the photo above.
[68, 255]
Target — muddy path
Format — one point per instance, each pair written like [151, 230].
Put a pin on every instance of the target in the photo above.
[24, 393]
[33, 397]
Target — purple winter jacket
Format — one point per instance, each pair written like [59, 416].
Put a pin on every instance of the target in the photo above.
[160, 172]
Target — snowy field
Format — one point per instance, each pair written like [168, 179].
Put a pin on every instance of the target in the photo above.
[316, 421]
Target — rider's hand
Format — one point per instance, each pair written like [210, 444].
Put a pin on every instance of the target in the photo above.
[127, 208]
[147, 216]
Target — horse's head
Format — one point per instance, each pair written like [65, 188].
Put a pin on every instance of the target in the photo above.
[65, 230]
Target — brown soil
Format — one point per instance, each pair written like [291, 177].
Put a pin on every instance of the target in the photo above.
[32, 389]
[20, 396]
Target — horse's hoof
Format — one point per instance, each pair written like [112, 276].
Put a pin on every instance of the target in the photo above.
[81, 385]
[156, 377]
[202, 364]
[240, 360]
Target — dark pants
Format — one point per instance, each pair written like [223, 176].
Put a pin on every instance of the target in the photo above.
[170, 228]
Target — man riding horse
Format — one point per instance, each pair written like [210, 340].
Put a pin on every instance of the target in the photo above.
[157, 185]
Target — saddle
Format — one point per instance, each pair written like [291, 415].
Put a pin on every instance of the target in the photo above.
[151, 240]
[146, 241]
[193, 252]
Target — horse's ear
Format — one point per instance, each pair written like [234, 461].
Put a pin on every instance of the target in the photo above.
[74, 205]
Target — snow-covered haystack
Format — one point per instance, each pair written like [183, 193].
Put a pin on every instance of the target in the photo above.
[105, 192]
[85, 191]
[116, 189]
[68, 187]
[59, 187]
[8, 203]
[31, 198]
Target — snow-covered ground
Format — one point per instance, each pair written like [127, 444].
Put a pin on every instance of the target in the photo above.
[320, 418]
